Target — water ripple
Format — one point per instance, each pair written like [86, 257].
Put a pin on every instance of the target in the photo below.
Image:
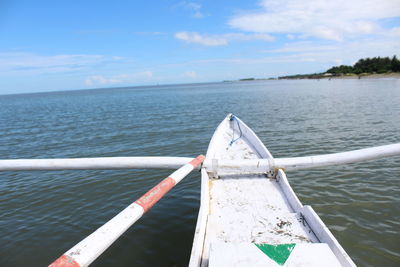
[43, 214]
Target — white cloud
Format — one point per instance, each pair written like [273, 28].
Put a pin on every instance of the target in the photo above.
[136, 75]
[248, 37]
[303, 46]
[190, 74]
[326, 19]
[198, 15]
[194, 7]
[222, 39]
[99, 80]
[145, 74]
[207, 40]
[34, 63]
[395, 32]
[325, 55]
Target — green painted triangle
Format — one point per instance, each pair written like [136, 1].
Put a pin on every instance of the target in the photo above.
[278, 253]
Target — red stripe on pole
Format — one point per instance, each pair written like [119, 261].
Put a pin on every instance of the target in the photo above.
[197, 161]
[155, 194]
[64, 261]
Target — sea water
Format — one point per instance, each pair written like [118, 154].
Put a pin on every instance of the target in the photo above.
[45, 213]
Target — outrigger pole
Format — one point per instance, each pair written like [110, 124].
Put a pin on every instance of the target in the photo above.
[299, 163]
[251, 165]
[93, 163]
[86, 251]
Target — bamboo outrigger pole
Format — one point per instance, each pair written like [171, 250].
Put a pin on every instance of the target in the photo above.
[86, 251]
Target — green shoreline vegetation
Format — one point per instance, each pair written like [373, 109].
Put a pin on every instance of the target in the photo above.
[374, 67]
[377, 67]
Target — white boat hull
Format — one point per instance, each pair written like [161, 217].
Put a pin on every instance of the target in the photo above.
[243, 215]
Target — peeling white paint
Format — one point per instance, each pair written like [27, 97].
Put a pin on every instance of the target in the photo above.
[239, 208]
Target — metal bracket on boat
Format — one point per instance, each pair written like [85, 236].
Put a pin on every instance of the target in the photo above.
[272, 174]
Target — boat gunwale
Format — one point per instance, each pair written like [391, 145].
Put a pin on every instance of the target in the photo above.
[199, 255]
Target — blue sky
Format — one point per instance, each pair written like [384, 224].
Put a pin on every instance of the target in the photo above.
[66, 45]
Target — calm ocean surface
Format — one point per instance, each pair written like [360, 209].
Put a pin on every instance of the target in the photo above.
[43, 213]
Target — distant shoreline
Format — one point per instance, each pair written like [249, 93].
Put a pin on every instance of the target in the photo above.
[393, 75]
[369, 76]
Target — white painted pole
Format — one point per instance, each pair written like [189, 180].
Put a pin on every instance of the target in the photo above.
[86, 251]
[298, 163]
[365, 154]
[93, 163]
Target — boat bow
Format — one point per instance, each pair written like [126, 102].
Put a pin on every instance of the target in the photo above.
[249, 218]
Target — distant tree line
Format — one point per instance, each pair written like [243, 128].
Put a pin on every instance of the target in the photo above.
[303, 76]
[368, 65]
